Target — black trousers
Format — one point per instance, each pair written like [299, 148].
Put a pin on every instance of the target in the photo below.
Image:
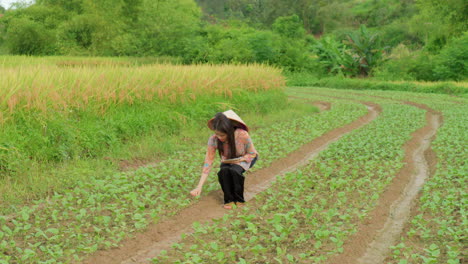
[232, 182]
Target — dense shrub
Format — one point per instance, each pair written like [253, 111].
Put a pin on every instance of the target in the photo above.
[452, 62]
[398, 33]
[25, 36]
[238, 43]
[265, 46]
[416, 66]
[289, 27]
[232, 46]
[80, 34]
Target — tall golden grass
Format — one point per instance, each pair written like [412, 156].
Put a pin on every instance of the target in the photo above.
[46, 87]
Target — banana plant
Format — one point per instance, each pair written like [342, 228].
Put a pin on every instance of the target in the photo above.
[335, 57]
[365, 49]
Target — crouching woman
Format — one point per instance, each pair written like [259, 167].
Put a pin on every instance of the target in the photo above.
[232, 142]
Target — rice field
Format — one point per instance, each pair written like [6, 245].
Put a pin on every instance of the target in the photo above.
[51, 88]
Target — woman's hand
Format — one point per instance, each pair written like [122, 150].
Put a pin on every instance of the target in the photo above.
[196, 192]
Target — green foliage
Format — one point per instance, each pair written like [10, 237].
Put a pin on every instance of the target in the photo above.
[383, 12]
[359, 53]
[74, 6]
[289, 27]
[334, 57]
[163, 26]
[405, 64]
[231, 46]
[365, 49]
[452, 61]
[246, 31]
[244, 44]
[295, 57]
[437, 22]
[307, 79]
[25, 36]
[265, 46]
[80, 34]
[128, 27]
[398, 33]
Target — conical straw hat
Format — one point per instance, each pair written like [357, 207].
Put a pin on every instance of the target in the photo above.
[237, 121]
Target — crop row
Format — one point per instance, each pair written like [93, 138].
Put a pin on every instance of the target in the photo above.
[307, 215]
[101, 212]
[437, 230]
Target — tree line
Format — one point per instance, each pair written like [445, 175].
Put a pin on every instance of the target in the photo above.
[408, 39]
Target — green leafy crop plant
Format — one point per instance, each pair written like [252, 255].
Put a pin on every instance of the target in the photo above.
[437, 230]
[306, 216]
[101, 212]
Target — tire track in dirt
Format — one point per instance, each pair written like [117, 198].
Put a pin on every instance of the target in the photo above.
[384, 225]
[162, 235]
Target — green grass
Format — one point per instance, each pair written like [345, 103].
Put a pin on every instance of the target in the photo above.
[305, 79]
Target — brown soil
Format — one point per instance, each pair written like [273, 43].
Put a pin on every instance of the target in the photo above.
[381, 229]
[162, 235]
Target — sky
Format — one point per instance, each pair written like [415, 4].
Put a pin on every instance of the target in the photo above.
[7, 3]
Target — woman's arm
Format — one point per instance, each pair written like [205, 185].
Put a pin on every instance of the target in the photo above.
[209, 158]
[246, 143]
[250, 151]
[198, 189]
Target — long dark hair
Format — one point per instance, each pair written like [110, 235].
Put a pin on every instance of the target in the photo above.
[223, 124]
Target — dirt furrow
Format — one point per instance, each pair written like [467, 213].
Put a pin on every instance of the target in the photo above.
[162, 235]
[375, 236]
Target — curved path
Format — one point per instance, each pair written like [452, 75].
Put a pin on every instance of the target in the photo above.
[162, 235]
[372, 242]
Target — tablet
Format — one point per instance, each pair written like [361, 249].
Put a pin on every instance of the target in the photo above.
[235, 159]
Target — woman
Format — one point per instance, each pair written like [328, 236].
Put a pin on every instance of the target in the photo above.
[237, 152]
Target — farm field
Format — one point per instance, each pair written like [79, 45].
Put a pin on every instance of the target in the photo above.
[357, 109]
[307, 224]
[330, 174]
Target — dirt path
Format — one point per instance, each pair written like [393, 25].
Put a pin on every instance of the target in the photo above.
[162, 235]
[371, 243]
